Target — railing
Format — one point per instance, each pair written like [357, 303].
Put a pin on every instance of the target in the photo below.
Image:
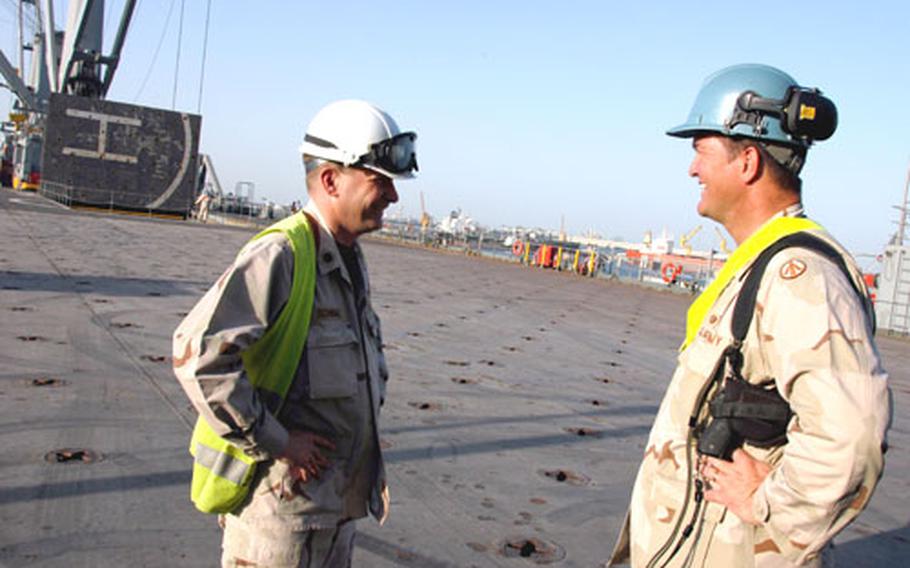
[677, 273]
[101, 199]
[892, 306]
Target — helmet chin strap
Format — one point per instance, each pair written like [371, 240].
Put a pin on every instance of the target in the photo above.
[790, 158]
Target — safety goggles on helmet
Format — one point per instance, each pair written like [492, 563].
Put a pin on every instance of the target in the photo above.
[396, 155]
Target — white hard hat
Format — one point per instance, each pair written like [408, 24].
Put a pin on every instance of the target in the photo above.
[357, 133]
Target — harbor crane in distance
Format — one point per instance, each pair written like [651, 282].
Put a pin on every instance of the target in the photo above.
[424, 216]
[723, 241]
[684, 241]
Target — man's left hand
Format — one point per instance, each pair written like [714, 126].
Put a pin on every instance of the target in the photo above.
[732, 484]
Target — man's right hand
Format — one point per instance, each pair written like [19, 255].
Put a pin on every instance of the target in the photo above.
[303, 453]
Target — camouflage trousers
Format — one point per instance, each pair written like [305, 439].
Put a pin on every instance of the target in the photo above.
[246, 546]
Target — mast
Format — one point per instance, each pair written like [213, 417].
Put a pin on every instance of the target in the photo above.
[903, 208]
[21, 41]
[50, 44]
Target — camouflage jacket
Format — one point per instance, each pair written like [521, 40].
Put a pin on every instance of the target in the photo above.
[812, 336]
[336, 393]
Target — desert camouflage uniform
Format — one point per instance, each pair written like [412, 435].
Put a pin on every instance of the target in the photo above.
[811, 334]
[336, 393]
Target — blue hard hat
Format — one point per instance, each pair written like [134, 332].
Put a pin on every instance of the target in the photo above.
[759, 102]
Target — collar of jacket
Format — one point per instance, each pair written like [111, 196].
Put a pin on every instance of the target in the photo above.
[328, 257]
[779, 226]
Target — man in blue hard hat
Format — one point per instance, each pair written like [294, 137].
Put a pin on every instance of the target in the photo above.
[771, 435]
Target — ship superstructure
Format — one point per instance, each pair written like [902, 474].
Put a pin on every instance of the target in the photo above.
[892, 304]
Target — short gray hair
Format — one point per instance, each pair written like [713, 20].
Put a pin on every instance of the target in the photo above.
[783, 163]
[311, 163]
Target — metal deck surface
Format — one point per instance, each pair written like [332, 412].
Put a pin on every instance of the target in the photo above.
[518, 408]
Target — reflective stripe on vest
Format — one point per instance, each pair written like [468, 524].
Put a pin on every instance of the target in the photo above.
[224, 465]
[222, 472]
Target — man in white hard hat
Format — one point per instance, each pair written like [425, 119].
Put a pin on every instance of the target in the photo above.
[283, 359]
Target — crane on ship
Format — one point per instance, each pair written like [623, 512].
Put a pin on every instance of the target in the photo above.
[70, 141]
[70, 62]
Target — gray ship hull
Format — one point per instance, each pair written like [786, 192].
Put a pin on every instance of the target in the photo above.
[517, 412]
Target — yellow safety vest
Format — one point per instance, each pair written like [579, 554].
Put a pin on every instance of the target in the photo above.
[743, 255]
[222, 472]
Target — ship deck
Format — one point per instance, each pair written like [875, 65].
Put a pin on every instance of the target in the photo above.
[517, 413]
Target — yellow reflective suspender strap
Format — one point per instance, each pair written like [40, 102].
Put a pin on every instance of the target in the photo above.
[222, 472]
[272, 361]
[744, 254]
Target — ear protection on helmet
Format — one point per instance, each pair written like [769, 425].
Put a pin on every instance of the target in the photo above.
[803, 113]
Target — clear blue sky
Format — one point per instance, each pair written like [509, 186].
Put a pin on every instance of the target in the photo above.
[527, 111]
